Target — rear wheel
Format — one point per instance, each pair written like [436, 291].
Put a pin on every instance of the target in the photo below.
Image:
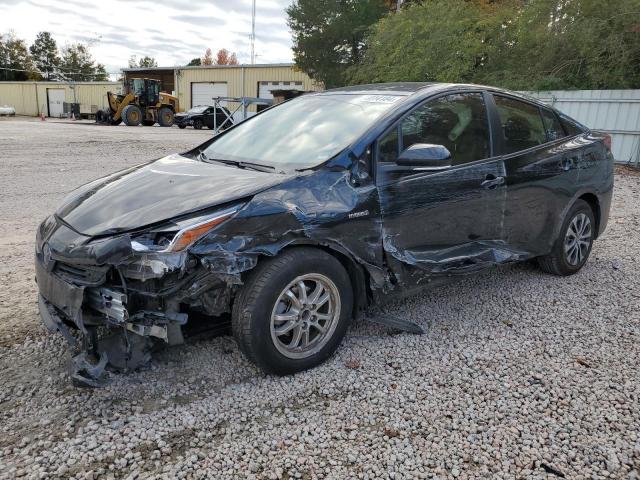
[293, 311]
[131, 115]
[197, 124]
[573, 245]
[182, 127]
[165, 117]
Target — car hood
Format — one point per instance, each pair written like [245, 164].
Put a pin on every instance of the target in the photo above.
[158, 191]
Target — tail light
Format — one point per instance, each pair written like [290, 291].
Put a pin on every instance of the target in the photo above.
[607, 141]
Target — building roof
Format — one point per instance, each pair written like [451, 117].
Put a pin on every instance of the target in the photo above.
[184, 67]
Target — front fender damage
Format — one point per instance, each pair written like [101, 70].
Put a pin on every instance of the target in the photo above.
[135, 300]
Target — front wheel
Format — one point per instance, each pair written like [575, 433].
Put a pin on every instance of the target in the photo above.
[131, 115]
[293, 311]
[573, 245]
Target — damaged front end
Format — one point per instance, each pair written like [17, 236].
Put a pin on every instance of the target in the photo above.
[114, 298]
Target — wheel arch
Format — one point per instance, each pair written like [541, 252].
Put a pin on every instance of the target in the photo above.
[358, 274]
[594, 203]
[592, 200]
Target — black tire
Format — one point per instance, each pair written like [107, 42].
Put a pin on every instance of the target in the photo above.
[148, 123]
[165, 117]
[197, 124]
[102, 116]
[132, 115]
[258, 299]
[182, 127]
[559, 261]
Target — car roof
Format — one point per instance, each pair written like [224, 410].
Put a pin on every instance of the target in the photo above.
[411, 88]
[397, 88]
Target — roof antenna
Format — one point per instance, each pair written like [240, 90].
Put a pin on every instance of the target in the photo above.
[253, 31]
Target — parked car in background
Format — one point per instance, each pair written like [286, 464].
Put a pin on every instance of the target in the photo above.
[205, 116]
[6, 110]
[299, 218]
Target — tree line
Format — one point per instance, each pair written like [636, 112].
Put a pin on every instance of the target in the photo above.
[43, 60]
[518, 44]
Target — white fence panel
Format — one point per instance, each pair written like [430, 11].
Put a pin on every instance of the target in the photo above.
[616, 112]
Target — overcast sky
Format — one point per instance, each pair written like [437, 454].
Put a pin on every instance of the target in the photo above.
[172, 31]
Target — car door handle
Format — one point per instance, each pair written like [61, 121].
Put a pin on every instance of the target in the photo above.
[567, 163]
[492, 182]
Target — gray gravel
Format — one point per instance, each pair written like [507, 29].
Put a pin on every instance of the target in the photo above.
[519, 375]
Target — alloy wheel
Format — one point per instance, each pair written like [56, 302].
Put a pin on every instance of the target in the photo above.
[305, 316]
[577, 240]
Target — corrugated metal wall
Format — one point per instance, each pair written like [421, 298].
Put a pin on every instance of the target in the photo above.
[614, 111]
[30, 98]
[233, 77]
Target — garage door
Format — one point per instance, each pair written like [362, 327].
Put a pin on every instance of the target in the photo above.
[204, 93]
[264, 88]
[55, 97]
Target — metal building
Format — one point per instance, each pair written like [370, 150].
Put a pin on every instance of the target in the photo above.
[199, 85]
[33, 98]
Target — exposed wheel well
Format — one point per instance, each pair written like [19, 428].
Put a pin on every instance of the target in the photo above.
[594, 203]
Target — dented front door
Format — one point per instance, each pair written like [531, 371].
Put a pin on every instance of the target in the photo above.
[446, 222]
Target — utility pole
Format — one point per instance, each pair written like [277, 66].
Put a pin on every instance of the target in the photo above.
[253, 32]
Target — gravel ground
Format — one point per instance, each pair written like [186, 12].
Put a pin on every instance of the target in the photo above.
[519, 375]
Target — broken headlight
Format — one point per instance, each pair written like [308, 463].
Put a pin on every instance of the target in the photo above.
[163, 250]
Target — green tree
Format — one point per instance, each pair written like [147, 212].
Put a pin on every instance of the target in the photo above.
[439, 40]
[147, 62]
[518, 44]
[78, 64]
[329, 35]
[560, 44]
[44, 52]
[195, 62]
[144, 62]
[15, 62]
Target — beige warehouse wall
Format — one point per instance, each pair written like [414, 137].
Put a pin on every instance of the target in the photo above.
[30, 98]
[233, 77]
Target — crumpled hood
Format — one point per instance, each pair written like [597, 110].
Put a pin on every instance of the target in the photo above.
[158, 191]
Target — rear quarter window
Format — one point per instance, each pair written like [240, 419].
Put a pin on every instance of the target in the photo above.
[570, 126]
[552, 125]
[521, 123]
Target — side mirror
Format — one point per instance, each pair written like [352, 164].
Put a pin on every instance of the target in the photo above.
[425, 155]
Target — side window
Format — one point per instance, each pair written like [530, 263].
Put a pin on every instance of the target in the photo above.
[388, 147]
[521, 122]
[459, 122]
[552, 125]
[571, 126]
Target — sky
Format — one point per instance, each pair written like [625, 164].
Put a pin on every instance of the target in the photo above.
[171, 31]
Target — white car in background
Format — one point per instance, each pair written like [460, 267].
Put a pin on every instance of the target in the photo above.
[7, 110]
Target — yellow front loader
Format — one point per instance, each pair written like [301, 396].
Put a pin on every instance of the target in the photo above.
[143, 103]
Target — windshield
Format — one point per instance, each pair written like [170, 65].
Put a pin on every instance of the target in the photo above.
[198, 109]
[303, 132]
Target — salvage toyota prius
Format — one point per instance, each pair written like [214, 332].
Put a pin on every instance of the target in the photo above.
[298, 219]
